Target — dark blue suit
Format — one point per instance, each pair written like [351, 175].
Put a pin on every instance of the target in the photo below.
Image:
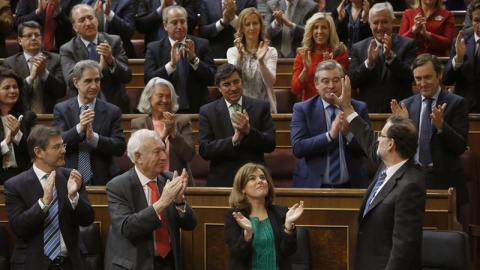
[446, 147]
[310, 145]
[159, 54]
[107, 124]
[210, 13]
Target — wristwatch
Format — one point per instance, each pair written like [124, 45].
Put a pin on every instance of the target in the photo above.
[182, 203]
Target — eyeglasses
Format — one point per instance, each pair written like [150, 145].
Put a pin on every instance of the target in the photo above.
[30, 35]
[380, 135]
[58, 147]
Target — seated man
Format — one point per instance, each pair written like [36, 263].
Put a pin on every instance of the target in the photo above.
[233, 130]
[41, 70]
[91, 127]
[148, 209]
[329, 156]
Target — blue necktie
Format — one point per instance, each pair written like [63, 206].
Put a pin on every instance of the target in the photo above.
[334, 153]
[182, 77]
[84, 165]
[380, 180]
[92, 52]
[424, 155]
[51, 233]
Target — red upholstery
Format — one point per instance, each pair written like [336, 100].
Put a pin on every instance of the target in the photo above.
[138, 47]
[12, 47]
[285, 100]
[134, 95]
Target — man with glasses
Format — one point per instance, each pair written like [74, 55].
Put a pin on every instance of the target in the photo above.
[45, 207]
[91, 127]
[329, 156]
[41, 70]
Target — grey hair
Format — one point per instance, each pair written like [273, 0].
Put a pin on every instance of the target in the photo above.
[379, 7]
[144, 105]
[167, 9]
[329, 65]
[83, 65]
[137, 142]
[77, 7]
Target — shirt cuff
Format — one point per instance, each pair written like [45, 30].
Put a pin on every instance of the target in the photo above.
[80, 132]
[219, 26]
[351, 117]
[93, 142]
[328, 136]
[369, 68]
[169, 68]
[74, 202]
[18, 137]
[45, 76]
[159, 11]
[456, 65]
[44, 207]
[196, 61]
[233, 23]
[110, 16]
[29, 82]
[4, 147]
[276, 27]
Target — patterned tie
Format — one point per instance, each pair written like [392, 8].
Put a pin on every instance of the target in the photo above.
[92, 52]
[162, 239]
[49, 34]
[286, 46]
[235, 107]
[182, 77]
[334, 153]
[84, 165]
[424, 154]
[381, 178]
[51, 232]
[36, 99]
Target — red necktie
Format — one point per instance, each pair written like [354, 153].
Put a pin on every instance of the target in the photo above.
[48, 31]
[162, 240]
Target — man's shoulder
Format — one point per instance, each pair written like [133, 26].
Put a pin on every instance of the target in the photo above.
[107, 105]
[69, 45]
[12, 59]
[64, 104]
[362, 43]
[199, 40]
[358, 105]
[403, 39]
[18, 179]
[210, 107]
[112, 39]
[121, 180]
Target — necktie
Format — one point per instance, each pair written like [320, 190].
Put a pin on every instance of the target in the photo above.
[51, 233]
[381, 61]
[381, 178]
[477, 57]
[36, 100]
[286, 47]
[235, 107]
[424, 155]
[162, 239]
[48, 32]
[334, 153]
[101, 20]
[92, 52]
[84, 165]
[182, 77]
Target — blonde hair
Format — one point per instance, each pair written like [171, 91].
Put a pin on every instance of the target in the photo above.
[333, 39]
[241, 19]
[418, 3]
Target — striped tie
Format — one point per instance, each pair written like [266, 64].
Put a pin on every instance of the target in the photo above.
[84, 165]
[51, 233]
[381, 178]
[334, 153]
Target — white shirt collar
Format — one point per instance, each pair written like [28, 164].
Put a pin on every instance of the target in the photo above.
[394, 168]
[86, 42]
[28, 56]
[239, 102]
[173, 41]
[435, 96]
[143, 179]
[39, 173]
[90, 105]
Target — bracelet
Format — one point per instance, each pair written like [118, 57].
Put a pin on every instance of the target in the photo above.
[291, 229]
[222, 23]
[194, 60]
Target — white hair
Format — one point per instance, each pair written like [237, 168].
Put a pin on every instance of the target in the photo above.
[137, 142]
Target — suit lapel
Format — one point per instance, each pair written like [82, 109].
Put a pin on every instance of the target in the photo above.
[61, 184]
[73, 112]
[35, 185]
[139, 201]
[416, 109]
[319, 124]
[223, 115]
[22, 65]
[100, 115]
[80, 49]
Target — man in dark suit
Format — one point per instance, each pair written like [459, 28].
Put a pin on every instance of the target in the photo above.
[329, 156]
[33, 64]
[463, 68]
[233, 130]
[118, 19]
[47, 192]
[380, 65]
[103, 48]
[52, 16]
[218, 23]
[185, 61]
[446, 128]
[145, 225]
[150, 17]
[91, 127]
[391, 214]
[285, 21]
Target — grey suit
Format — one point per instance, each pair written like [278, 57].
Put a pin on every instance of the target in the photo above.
[130, 243]
[54, 85]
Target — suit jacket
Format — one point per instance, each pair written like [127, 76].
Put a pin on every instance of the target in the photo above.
[63, 30]
[107, 124]
[390, 234]
[26, 219]
[148, 20]
[303, 11]
[346, 35]
[6, 25]
[210, 12]
[310, 145]
[241, 251]
[158, 55]
[130, 244]
[52, 88]
[446, 147]
[215, 132]
[465, 78]
[122, 24]
[113, 81]
[182, 148]
[379, 86]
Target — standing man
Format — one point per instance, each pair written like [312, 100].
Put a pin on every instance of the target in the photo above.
[41, 70]
[380, 65]
[45, 207]
[185, 61]
[233, 130]
[391, 214]
[285, 21]
[148, 208]
[442, 121]
[329, 156]
[102, 48]
[91, 127]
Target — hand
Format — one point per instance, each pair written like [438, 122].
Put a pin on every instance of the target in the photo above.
[48, 189]
[190, 49]
[245, 224]
[56, 6]
[238, 136]
[108, 7]
[167, 3]
[327, 56]
[396, 110]
[183, 178]
[86, 117]
[293, 214]
[89, 132]
[175, 54]
[170, 191]
[39, 64]
[42, 5]
[437, 116]
[373, 53]
[170, 124]
[278, 15]
[74, 183]
[97, 8]
[366, 10]
[341, 11]
[387, 45]
[104, 49]
[344, 100]
[240, 122]
[230, 8]
[262, 50]
[307, 59]
[460, 48]
[335, 128]
[13, 126]
[239, 45]
[418, 23]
